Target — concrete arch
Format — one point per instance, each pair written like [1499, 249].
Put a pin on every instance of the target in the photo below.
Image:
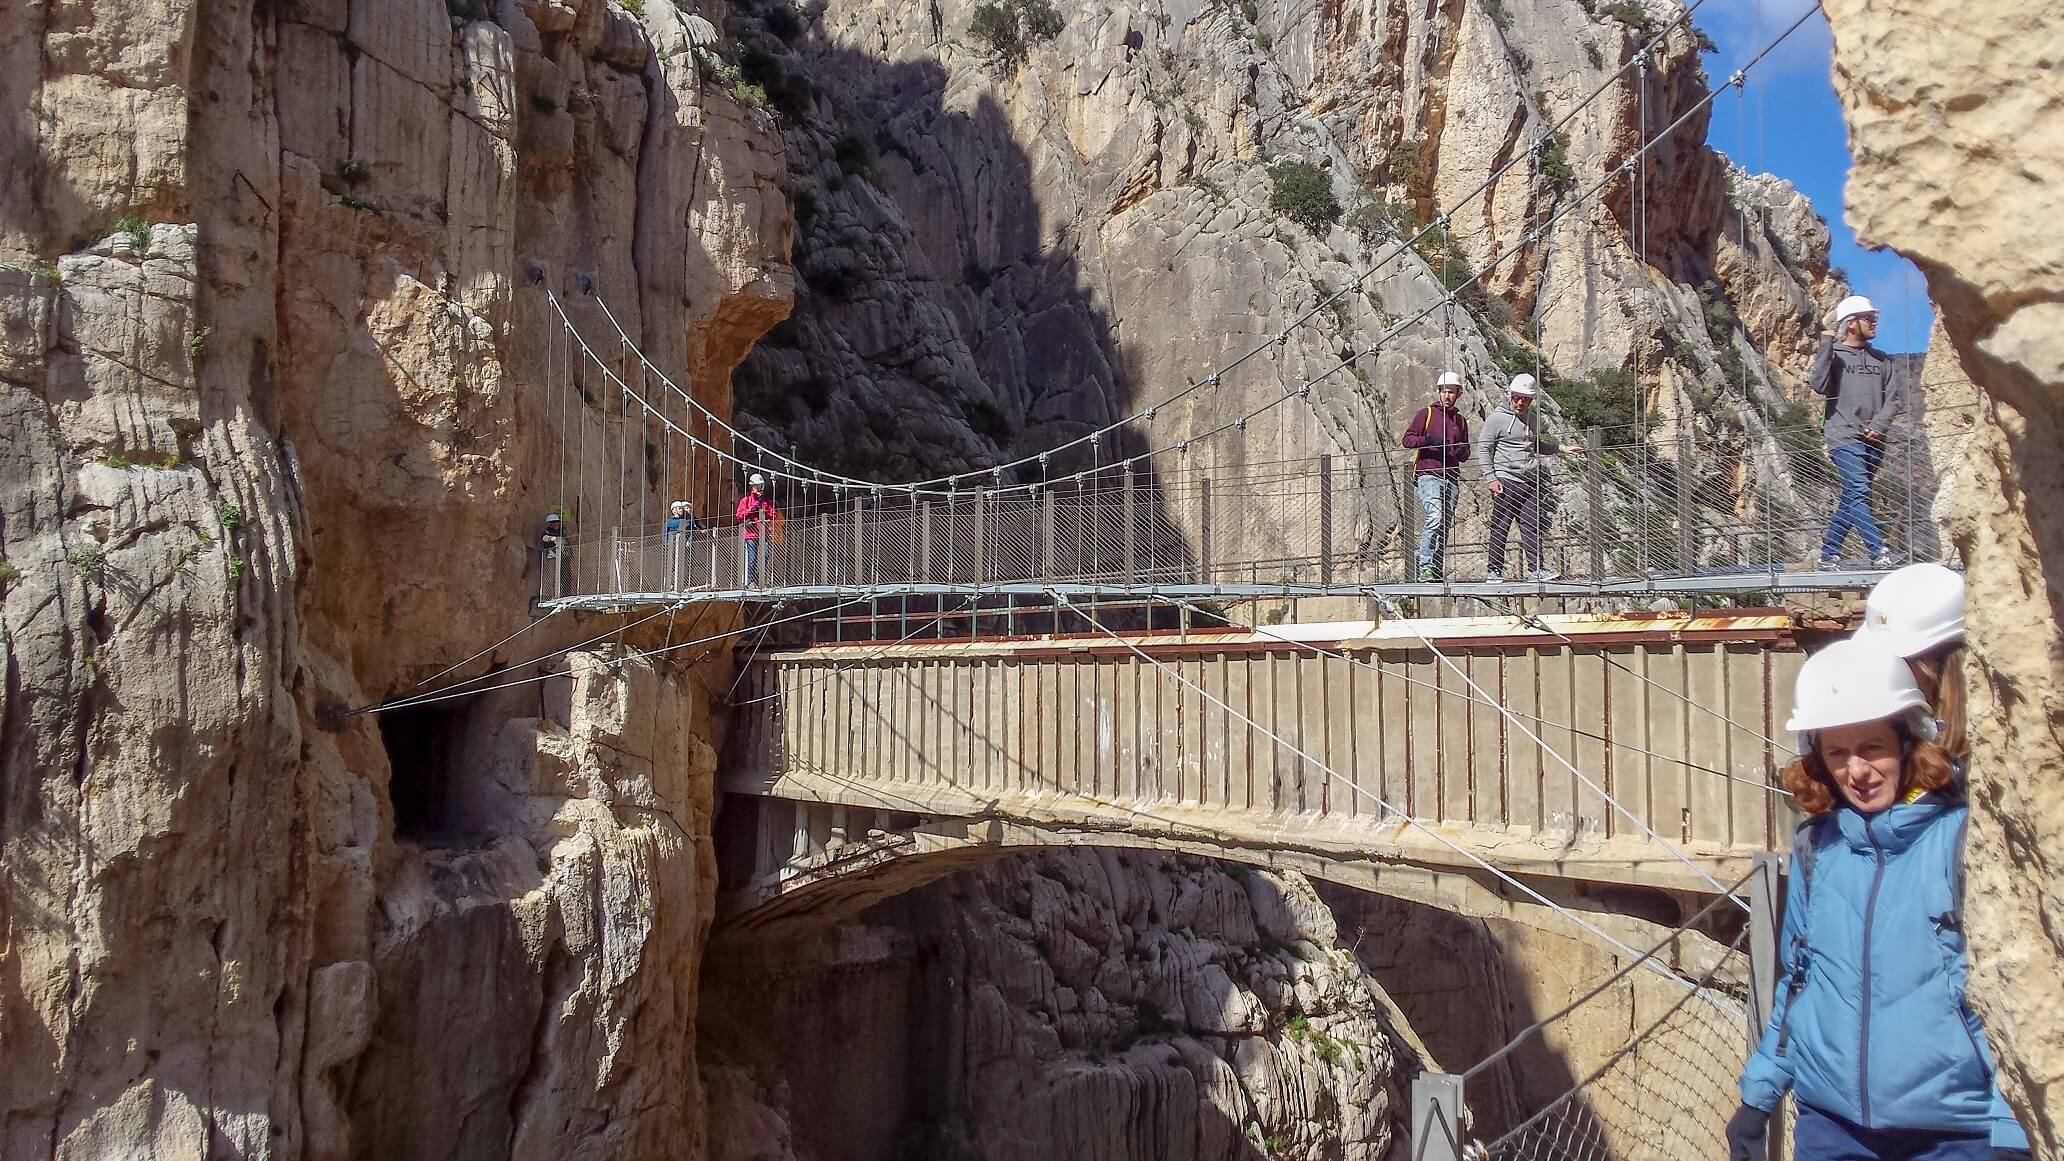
[838, 861]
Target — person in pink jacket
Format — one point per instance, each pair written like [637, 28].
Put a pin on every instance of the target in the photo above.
[756, 516]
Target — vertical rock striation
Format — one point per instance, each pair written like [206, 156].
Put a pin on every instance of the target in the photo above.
[275, 356]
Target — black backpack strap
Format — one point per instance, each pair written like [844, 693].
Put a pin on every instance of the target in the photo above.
[1956, 868]
[1805, 849]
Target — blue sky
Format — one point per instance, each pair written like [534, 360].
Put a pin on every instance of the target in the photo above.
[1787, 122]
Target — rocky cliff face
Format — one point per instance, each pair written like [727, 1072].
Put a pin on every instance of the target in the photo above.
[273, 352]
[997, 251]
[1957, 153]
[1096, 1004]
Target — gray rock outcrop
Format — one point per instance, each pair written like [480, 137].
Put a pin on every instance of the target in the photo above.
[1097, 1004]
[1033, 247]
[274, 353]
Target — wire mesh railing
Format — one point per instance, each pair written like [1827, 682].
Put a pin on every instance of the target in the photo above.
[1662, 1094]
[1661, 507]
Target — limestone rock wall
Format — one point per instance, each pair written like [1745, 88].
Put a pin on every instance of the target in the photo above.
[1957, 155]
[994, 255]
[275, 358]
[1097, 1004]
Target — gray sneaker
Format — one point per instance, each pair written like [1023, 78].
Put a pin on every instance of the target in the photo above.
[1884, 561]
[1830, 564]
[1494, 577]
[1542, 575]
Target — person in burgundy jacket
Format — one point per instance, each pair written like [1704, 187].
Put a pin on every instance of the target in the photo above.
[1441, 436]
[756, 513]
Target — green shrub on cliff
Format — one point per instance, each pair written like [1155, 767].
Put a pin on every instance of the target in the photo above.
[1304, 194]
[1009, 28]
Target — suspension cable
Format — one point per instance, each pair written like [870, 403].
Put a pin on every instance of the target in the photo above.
[1626, 969]
[1215, 377]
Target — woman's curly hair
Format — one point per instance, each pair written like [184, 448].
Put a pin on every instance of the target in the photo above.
[1922, 764]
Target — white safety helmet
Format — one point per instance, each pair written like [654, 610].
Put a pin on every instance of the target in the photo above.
[1523, 386]
[1448, 379]
[758, 480]
[1852, 681]
[1914, 609]
[1852, 306]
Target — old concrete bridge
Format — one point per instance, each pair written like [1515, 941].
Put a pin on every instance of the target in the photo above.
[1615, 757]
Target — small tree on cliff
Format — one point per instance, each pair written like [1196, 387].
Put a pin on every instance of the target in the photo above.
[1012, 27]
[1304, 194]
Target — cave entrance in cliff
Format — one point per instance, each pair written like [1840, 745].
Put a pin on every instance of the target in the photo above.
[424, 748]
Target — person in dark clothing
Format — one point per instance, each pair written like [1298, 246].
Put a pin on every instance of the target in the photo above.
[681, 520]
[680, 533]
[1856, 379]
[1441, 436]
[1510, 450]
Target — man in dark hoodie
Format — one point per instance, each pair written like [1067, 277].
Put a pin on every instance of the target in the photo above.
[1856, 378]
[1441, 436]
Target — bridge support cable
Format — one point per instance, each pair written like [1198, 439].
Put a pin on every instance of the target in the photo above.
[1213, 378]
[837, 671]
[1514, 721]
[617, 631]
[1622, 972]
[1395, 673]
[449, 694]
[471, 657]
[1664, 1093]
[1534, 621]
[812, 475]
[1334, 777]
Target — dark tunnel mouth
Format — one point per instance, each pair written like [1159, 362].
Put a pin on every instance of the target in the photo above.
[426, 748]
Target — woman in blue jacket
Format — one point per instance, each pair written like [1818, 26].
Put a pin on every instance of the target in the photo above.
[1870, 1030]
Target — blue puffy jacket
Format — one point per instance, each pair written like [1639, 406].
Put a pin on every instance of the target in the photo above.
[1870, 1022]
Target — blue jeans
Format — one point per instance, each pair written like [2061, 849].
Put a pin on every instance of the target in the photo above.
[752, 561]
[1820, 1136]
[1856, 463]
[1437, 504]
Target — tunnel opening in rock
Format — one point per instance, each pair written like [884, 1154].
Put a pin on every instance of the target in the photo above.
[425, 751]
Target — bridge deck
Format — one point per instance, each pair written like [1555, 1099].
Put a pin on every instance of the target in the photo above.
[1724, 584]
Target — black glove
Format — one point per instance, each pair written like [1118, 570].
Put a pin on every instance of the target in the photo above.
[1745, 1130]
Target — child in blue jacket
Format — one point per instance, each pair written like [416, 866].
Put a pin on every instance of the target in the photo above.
[1870, 1030]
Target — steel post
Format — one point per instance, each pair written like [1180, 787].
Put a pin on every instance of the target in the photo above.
[1130, 528]
[981, 536]
[1436, 1117]
[1326, 518]
[1594, 497]
[1765, 907]
[1687, 539]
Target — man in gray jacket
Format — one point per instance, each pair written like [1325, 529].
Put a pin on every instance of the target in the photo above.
[1856, 378]
[1510, 448]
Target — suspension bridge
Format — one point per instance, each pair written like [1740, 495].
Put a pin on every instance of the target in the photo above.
[1525, 755]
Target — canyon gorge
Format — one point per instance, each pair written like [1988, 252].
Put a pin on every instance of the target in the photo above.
[286, 400]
